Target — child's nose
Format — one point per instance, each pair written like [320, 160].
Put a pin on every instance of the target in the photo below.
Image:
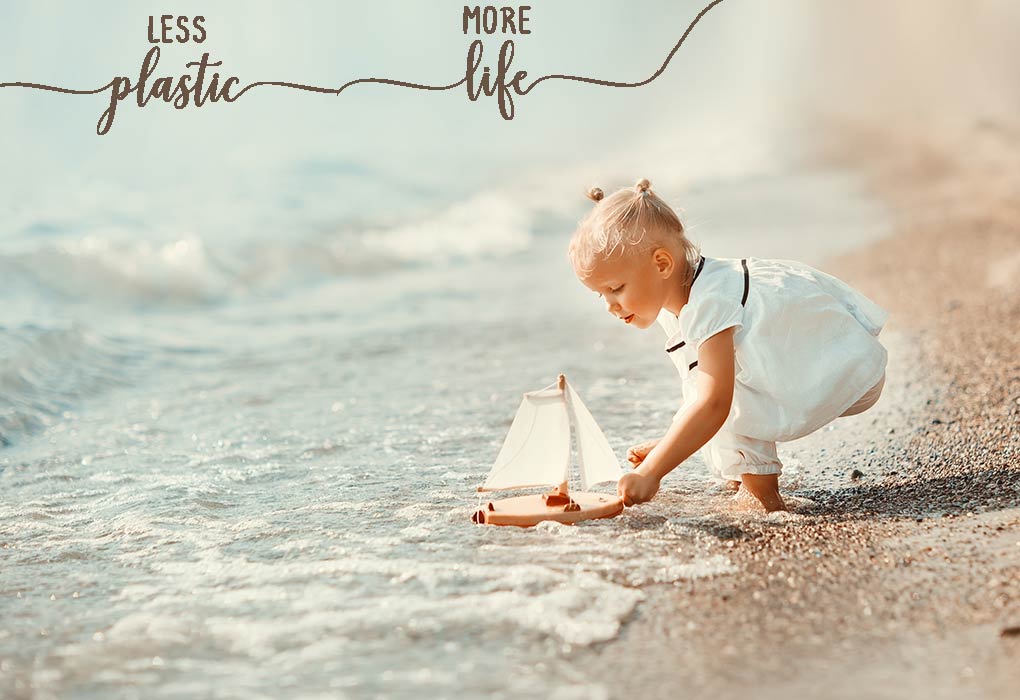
[612, 306]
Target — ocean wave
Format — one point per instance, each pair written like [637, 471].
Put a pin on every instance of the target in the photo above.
[44, 372]
[191, 269]
[105, 267]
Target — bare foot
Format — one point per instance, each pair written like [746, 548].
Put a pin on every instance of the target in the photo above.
[764, 487]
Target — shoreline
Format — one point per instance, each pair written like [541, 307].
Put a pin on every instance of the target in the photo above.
[906, 579]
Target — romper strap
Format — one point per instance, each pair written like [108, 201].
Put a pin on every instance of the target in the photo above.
[747, 282]
[698, 271]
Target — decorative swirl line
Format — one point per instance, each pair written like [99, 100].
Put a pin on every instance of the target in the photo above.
[653, 76]
[337, 91]
[53, 88]
[400, 83]
[260, 83]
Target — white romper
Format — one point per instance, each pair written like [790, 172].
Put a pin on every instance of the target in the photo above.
[806, 348]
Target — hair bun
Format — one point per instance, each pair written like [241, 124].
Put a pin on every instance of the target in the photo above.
[596, 194]
[642, 185]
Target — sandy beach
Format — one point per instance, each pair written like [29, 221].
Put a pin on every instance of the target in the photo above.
[899, 576]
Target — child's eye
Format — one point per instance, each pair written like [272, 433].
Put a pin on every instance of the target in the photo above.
[619, 289]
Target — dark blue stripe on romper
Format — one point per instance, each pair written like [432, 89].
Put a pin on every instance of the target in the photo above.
[747, 282]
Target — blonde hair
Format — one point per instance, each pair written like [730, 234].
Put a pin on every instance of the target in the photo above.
[631, 220]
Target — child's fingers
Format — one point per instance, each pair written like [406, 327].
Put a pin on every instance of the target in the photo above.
[643, 448]
[621, 491]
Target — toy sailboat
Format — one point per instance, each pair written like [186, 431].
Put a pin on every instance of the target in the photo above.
[536, 452]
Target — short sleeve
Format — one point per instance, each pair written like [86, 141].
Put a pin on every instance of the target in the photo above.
[711, 314]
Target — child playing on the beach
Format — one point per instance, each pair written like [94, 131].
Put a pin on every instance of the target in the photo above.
[767, 350]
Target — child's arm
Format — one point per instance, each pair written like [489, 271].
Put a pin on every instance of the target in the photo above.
[694, 428]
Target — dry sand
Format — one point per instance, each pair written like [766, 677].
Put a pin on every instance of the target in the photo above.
[904, 579]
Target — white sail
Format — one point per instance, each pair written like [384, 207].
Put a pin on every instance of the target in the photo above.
[598, 463]
[536, 451]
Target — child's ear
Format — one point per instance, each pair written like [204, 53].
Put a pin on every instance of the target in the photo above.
[663, 261]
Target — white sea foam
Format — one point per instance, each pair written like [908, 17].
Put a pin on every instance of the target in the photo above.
[488, 223]
[105, 267]
[188, 269]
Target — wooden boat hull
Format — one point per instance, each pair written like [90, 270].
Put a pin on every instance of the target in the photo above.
[526, 511]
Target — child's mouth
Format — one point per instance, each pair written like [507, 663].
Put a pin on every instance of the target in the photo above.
[628, 319]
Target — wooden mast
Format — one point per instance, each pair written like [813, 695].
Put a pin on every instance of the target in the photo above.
[560, 496]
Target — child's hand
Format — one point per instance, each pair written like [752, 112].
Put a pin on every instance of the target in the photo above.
[636, 454]
[636, 487]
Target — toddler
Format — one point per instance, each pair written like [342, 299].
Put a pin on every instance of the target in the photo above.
[767, 350]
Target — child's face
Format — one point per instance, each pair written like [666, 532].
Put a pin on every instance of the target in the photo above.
[633, 286]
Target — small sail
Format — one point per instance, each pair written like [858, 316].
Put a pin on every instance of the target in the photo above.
[598, 463]
[536, 451]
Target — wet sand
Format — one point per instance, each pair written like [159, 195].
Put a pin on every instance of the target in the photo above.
[899, 573]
